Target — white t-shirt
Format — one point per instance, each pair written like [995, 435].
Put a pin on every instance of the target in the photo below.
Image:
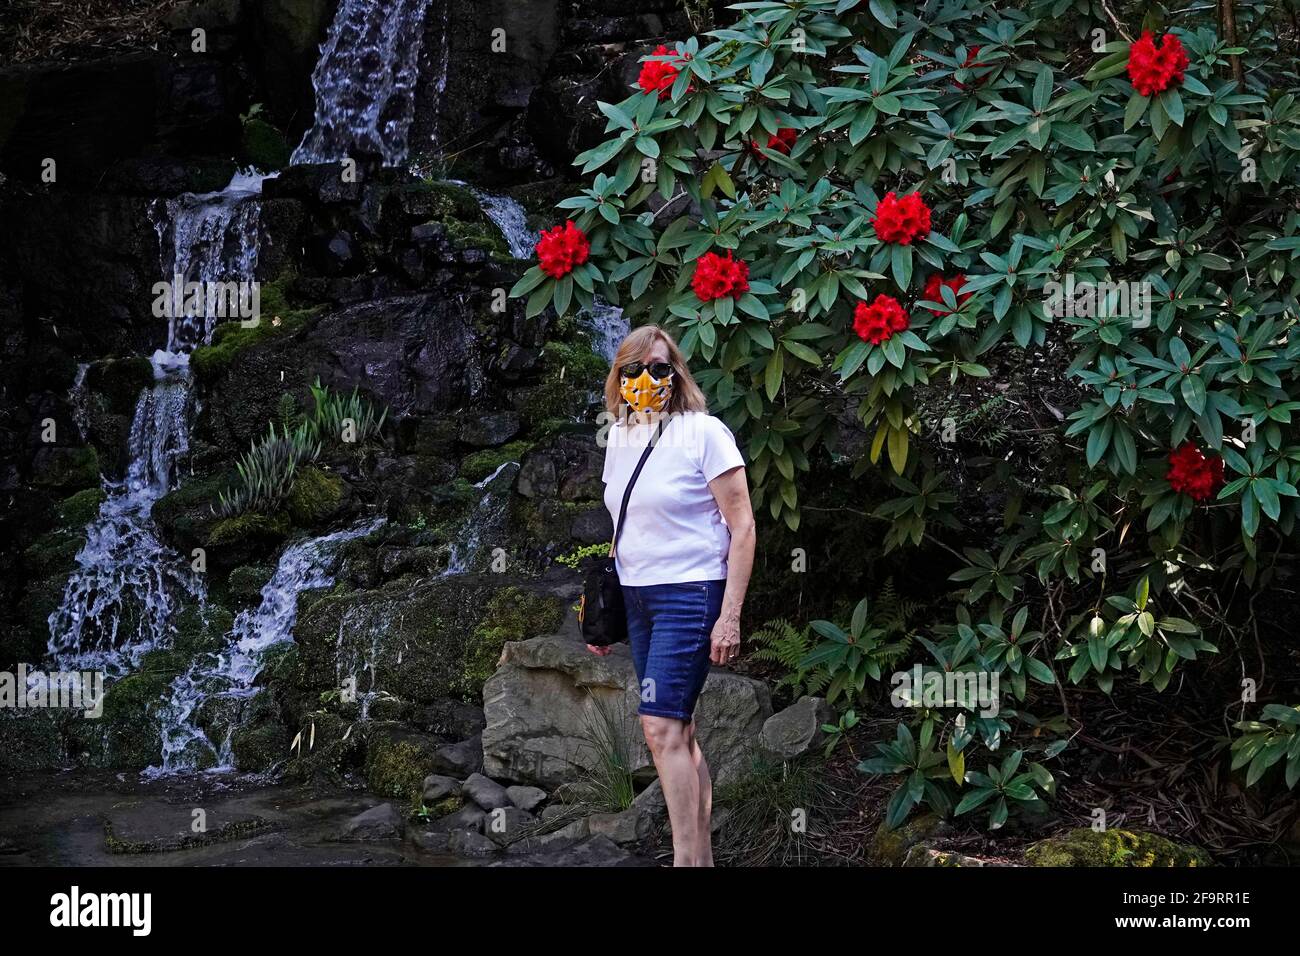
[674, 531]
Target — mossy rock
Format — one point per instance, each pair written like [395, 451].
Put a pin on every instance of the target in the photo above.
[119, 382]
[264, 146]
[66, 469]
[276, 317]
[201, 629]
[315, 496]
[424, 643]
[246, 582]
[444, 807]
[32, 739]
[127, 736]
[573, 371]
[397, 763]
[257, 749]
[889, 847]
[250, 528]
[185, 515]
[478, 465]
[77, 511]
[54, 552]
[1127, 848]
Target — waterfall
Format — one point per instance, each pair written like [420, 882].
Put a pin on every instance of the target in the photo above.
[511, 219]
[77, 397]
[603, 322]
[208, 238]
[365, 82]
[486, 516]
[122, 596]
[229, 677]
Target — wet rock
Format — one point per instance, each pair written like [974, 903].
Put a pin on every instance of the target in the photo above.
[593, 851]
[526, 798]
[437, 787]
[549, 692]
[471, 845]
[485, 792]
[460, 759]
[468, 817]
[489, 429]
[382, 822]
[797, 729]
[505, 825]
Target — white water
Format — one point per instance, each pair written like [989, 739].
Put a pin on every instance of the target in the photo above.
[119, 601]
[231, 675]
[365, 82]
[511, 219]
[485, 519]
[209, 237]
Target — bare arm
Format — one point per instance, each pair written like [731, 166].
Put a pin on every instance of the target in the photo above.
[731, 492]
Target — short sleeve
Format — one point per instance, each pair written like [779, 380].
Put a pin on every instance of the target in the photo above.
[718, 451]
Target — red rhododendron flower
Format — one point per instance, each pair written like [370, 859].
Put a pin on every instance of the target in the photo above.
[1193, 473]
[561, 249]
[934, 291]
[1153, 69]
[717, 278]
[902, 220]
[658, 75]
[877, 322]
[782, 141]
[969, 62]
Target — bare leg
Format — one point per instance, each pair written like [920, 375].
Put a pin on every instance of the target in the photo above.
[704, 849]
[670, 745]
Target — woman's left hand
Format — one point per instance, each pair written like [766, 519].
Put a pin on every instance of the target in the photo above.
[725, 639]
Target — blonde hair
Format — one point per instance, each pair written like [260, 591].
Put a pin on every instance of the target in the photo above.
[686, 396]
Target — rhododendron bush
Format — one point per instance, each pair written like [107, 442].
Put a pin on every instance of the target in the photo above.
[906, 215]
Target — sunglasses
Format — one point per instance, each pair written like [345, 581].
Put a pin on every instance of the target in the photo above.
[657, 369]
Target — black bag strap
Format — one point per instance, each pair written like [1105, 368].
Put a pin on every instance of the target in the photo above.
[627, 492]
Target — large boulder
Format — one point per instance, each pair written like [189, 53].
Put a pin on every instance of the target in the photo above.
[797, 729]
[551, 699]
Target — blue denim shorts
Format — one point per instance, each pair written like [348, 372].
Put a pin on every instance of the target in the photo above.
[669, 627]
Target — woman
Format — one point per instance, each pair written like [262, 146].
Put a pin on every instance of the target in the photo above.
[684, 560]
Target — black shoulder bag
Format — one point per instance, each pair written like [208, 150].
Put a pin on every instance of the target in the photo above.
[601, 614]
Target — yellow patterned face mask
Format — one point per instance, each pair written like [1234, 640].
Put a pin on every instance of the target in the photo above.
[643, 390]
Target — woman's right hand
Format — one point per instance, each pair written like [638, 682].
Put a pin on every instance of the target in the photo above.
[599, 651]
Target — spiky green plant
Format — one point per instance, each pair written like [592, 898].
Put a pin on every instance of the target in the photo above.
[342, 419]
[267, 471]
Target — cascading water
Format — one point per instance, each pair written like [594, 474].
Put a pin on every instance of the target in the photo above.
[604, 322]
[121, 598]
[365, 82]
[119, 601]
[511, 219]
[230, 676]
[486, 517]
[208, 238]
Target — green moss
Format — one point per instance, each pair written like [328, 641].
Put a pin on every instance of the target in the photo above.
[1086, 847]
[459, 212]
[54, 552]
[76, 511]
[68, 469]
[126, 736]
[513, 614]
[572, 372]
[315, 496]
[31, 740]
[250, 527]
[185, 514]
[201, 629]
[444, 807]
[396, 767]
[119, 382]
[246, 582]
[264, 146]
[478, 465]
[277, 317]
[889, 847]
[259, 748]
